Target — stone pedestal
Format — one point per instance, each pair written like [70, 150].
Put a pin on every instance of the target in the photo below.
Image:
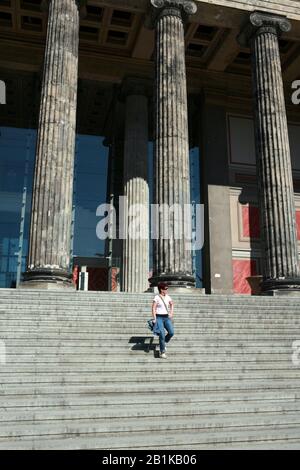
[276, 194]
[49, 252]
[135, 266]
[172, 257]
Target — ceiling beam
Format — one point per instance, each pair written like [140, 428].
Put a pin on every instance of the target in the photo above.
[144, 45]
[291, 70]
[226, 52]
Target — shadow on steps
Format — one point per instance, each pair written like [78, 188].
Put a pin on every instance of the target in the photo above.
[145, 344]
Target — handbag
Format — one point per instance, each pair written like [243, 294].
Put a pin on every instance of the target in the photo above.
[150, 324]
[153, 327]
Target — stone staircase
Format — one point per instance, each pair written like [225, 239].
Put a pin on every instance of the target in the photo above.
[81, 371]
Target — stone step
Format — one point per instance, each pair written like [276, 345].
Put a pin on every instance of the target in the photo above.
[275, 444]
[184, 311]
[145, 353]
[146, 343]
[146, 346]
[140, 411]
[137, 338]
[234, 311]
[131, 337]
[141, 367]
[157, 440]
[197, 424]
[141, 331]
[187, 357]
[15, 402]
[178, 355]
[119, 311]
[196, 334]
[209, 320]
[141, 321]
[39, 314]
[112, 297]
[177, 345]
[83, 370]
[147, 376]
[144, 295]
[140, 386]
[97, 425]
[190, 322]
[59, 292]
[140, 328]
[180, 304]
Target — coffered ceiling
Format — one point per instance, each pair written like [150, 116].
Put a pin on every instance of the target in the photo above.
[114, 41]
[114, 31]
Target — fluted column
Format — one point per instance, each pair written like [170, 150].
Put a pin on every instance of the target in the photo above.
[49, 252]
[172, 257]
[135, 265]
[276, 194]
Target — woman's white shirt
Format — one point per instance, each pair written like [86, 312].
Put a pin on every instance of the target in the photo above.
[160, 307]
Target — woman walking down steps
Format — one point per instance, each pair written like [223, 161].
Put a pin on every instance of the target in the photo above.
[162, 313]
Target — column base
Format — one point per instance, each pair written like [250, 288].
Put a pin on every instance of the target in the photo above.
[48, 279]
[286, 286]
[181, 281]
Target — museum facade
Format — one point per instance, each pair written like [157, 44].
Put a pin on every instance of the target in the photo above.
[166, 102]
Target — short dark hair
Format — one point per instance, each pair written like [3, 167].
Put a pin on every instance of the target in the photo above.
[162, 285]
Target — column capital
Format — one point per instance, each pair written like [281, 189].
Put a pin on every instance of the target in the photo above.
[45, 4]
[180, 8]
[261, 22]
[135, 86]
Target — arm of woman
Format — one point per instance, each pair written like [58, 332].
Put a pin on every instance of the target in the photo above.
[171, 304]
[154, 311]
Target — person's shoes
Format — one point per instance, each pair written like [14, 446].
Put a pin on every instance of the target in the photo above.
[163, 355]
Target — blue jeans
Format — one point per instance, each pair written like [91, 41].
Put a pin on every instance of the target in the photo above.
[164, 322]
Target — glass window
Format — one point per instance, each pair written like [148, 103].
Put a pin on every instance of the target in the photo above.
[195, 199]
[90, 190]
[17, 153]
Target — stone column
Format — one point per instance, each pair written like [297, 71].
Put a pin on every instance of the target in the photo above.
[276, 194]
[172, 258]
[135, 266]
[115, 174]
[49, 253]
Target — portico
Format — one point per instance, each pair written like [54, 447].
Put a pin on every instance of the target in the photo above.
[201, 96]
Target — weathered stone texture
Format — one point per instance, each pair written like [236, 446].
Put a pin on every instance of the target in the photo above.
[273, 155]
[136, 250]
[172, 261]
[49, 255]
